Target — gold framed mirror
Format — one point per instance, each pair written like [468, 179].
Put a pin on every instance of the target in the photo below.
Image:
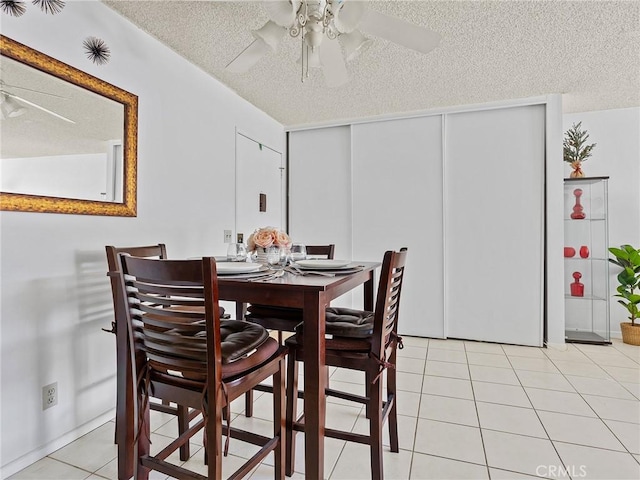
[69, 139]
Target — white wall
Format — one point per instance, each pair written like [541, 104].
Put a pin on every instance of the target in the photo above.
[55, 295]
[616, 155]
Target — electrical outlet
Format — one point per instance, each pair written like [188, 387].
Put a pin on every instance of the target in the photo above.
[227, 236]
[49, 395]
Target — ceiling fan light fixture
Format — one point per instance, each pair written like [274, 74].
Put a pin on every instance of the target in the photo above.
[329, 35]
[271, 33]
[354, 43]
[313, 33]
[282, 12]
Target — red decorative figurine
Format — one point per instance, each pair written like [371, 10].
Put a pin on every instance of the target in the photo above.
[577, 214]
[577, 288]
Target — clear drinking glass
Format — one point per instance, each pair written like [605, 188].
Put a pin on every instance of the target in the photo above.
[276, 257]
[236, 252]
[298, 252]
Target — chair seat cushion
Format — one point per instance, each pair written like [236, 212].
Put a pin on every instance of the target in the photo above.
[347, 322]
[243, 365]
[238, 338]
[244, 346]
[351, 330]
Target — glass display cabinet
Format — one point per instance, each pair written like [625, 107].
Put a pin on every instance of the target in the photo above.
[586, 260]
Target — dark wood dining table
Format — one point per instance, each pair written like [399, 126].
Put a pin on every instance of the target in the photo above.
[311, 293]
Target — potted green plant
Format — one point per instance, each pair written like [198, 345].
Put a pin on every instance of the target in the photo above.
[574, 148]
[628, 258]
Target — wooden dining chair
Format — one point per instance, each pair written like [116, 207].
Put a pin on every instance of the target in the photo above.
[364, 341]
[281, 319]
[183, 414]
[182, 352]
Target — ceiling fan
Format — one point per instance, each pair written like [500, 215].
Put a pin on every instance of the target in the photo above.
[326, 28]
[12, 105]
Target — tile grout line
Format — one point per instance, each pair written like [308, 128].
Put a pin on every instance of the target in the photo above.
[415, 433]
[540, 420]
[475, 406]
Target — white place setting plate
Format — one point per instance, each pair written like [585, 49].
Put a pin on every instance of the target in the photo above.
[231, 268]
[323, 264]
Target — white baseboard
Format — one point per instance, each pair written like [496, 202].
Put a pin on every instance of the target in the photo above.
[32, 457]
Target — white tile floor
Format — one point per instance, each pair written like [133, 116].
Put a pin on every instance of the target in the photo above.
[467, 411]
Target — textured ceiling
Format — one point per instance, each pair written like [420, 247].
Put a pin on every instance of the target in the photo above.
[490, 50]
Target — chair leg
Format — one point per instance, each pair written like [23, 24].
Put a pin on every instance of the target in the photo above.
[393, 413]
[248, 404]
[292, 411]
[143, 443]
[278, 424]
[213, 438]
[375, 428]
[183, 426]
[367, 386]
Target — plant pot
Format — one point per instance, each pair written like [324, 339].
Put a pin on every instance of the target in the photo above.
[577, 170]
[630, 333]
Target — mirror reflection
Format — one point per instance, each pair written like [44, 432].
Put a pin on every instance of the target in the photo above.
[68, 139]
[58, 140]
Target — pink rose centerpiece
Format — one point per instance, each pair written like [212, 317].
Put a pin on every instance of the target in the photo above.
[264, 238]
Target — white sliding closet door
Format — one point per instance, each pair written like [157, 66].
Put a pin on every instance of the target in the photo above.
[397, 202]
[320, 188]
[494, 225]
[320, 192]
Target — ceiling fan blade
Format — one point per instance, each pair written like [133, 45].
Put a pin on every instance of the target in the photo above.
[398, 31]
[35, 105]
[282, 12]
[333, 66]
[248, 57]
[349, 15]
[34, 91]
[270, 33]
